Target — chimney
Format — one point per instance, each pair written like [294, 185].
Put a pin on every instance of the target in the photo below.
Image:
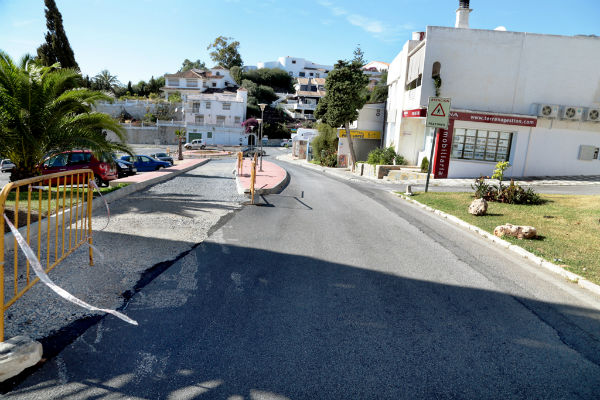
[462, 14]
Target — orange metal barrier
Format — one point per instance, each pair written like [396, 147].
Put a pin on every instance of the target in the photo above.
[68, 199]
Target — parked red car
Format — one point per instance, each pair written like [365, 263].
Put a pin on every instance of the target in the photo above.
[104, 171]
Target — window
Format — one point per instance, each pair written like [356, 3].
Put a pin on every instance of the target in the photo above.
[311, 74]
[214, 84]
[293, 61]
[226, 106]
[482, 145]
[435, 70]
[80, 158]
[209, 135]
[303, 88]
[191, 82]
[208, 105]
[195, 107]
[302, 74]
[317, 75]
[217, 73]
[313, 88]
[238, 120]
[172, 82]
[199, 119]
[220, 119]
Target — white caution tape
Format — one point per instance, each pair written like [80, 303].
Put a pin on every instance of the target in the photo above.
[39, 271]
[93, 184]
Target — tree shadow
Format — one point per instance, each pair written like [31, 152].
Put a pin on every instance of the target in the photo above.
[228, 321]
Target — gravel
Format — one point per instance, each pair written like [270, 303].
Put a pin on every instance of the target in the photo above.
[148, 228]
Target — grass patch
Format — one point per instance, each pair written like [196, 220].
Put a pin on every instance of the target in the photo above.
[568, 226]
[63, 191]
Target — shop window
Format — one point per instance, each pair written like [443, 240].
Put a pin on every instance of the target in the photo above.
[481, 145]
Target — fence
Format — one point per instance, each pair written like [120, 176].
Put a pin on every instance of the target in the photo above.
[67, 198]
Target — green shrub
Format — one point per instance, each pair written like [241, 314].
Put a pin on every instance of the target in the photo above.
[384, 157]
[424, 165]
[325, 145]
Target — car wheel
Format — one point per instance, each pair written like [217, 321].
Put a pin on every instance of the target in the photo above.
[99, 181]
[202, 147]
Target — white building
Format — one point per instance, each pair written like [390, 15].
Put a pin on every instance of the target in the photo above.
[214, 107]
[298, 67]
[303, 104]
[374, 71]
[531, 99]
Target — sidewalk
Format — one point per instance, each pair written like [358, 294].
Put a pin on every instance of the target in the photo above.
[345, 173]
[271, 180]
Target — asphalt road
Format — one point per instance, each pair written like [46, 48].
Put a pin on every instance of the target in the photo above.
[339, 290]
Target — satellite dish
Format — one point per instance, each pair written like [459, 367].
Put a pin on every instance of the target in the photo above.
[500, 28]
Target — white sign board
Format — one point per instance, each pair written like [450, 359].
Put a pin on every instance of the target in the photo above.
[438, 112]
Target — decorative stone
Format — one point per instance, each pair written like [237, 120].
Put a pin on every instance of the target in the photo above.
[16, 354]
[518, 231]
[478, 207]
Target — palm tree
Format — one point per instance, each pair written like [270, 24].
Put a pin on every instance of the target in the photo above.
[105, 81]
[43, 112]
[180, 136]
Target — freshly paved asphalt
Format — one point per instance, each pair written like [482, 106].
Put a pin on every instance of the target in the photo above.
[339, 290]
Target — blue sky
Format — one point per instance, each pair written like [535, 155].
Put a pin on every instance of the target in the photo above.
[135, 39]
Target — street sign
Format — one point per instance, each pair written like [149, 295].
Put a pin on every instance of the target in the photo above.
[438, 112]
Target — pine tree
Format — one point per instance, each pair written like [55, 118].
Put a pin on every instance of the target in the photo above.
[57, 47]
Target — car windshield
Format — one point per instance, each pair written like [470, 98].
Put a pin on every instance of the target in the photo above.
[161, 155]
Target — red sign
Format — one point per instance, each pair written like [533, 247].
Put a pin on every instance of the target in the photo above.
[438, 111]
[443, 148]
[419, 112]
[493, 118]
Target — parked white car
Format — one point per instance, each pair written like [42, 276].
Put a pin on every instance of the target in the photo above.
[195, 144]
[286, 142]
[6, 165]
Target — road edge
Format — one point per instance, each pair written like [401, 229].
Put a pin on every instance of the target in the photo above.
[579, 280]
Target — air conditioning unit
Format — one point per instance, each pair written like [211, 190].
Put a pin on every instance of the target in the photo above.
[572, 113]
[548, 111]
[592, 114]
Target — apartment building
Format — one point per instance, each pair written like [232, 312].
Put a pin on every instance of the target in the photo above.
[298, 67]
[214, 107]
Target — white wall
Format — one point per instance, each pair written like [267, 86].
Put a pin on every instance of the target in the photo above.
[506, 72]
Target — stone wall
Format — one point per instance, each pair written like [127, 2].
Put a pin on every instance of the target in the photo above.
[162, 135]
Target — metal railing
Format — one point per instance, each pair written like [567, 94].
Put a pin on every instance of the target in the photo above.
[67, 198]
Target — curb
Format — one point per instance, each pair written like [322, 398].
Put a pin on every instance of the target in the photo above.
[135, 187]
[109, 197]
[581, 281]
[275, 189]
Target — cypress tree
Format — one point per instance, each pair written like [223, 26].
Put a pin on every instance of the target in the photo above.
[57, 47]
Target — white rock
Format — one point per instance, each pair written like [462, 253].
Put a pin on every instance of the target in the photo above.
[478, 207]
[16, 354]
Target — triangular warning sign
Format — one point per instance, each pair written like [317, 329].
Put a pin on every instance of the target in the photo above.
[438, 111]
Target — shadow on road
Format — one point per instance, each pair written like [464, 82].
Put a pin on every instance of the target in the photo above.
[229, 321]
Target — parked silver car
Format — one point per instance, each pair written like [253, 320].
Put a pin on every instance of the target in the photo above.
[6, 165]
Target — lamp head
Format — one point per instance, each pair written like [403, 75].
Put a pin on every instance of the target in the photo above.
[262, 106]
[259, 120]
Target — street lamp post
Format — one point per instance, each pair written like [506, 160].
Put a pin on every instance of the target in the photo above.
[262, 115]
[259, 120]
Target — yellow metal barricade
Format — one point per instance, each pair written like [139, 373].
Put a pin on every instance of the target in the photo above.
[67, 198]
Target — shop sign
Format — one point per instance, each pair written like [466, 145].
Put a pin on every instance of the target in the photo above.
[493, 118]
[443, 148]
[417, 113]
[358, 134]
